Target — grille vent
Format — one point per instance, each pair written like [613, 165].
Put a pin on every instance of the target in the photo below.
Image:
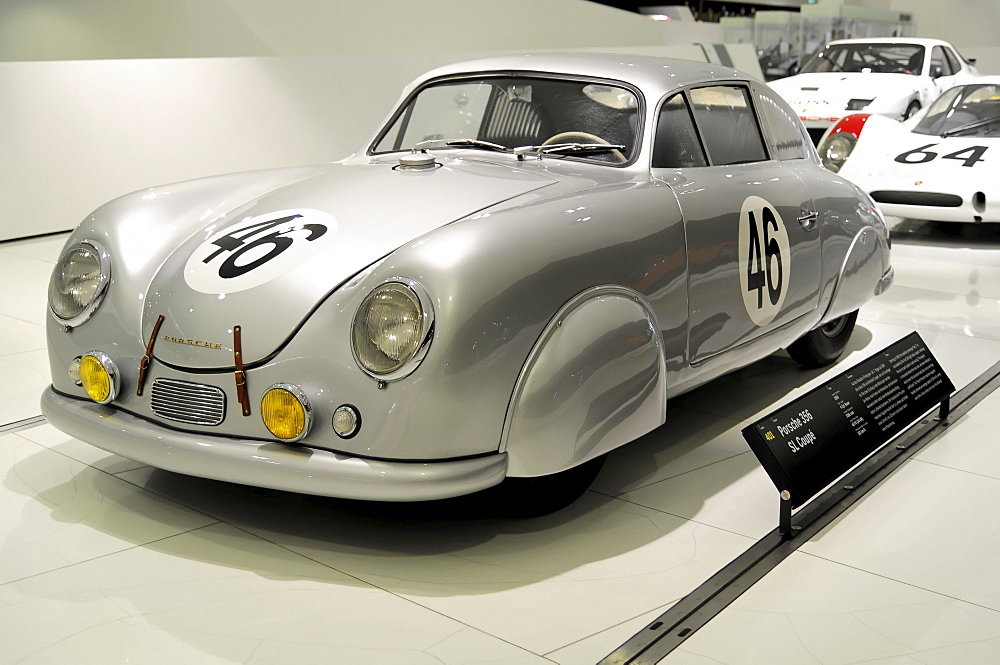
[918, 198]
[187, 402]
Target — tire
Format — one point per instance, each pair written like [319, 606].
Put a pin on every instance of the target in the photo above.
[824, 345]
[910, 110]
[541, 495]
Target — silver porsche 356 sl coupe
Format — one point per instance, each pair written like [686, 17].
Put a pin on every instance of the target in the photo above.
[529, 258]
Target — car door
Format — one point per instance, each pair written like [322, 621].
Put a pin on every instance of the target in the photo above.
[753, 266]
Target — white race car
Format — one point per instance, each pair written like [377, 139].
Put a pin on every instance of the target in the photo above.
[891, 77]
[942, 165]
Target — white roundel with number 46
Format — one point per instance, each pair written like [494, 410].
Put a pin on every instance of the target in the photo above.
[257, 249]
[765, 260]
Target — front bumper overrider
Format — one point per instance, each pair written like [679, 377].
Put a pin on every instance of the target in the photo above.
[269, 464]
[887, 278]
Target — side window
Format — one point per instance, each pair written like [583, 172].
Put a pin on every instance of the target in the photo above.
[938, 60]
[676, 144]
[788, 137]
[952, 61]
[725, 117]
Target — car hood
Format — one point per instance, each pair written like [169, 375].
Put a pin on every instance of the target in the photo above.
[266, 264]
[919, 162]
[836, 89]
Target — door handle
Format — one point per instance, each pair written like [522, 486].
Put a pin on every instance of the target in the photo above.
[808, 219]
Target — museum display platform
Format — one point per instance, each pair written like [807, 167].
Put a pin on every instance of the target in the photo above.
[106, 560]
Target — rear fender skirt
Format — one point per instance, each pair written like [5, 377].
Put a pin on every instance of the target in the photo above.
[595, 379]
[860, 274]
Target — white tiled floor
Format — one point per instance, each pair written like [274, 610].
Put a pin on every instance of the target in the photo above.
[24, 365]
[103, 560]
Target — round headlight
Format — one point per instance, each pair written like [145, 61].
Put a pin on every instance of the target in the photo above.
[99, 376]
[286, 412]
[835, 150]
[78, 282]
[390, 331]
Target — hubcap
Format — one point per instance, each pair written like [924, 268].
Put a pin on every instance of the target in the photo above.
[833, 328]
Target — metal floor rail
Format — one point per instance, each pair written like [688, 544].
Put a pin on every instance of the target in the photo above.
[673, 627]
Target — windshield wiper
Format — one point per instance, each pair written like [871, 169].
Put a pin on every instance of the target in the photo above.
[463, 143]
[976, 124]
[576, 148]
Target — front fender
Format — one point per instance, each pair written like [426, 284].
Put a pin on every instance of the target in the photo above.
[595, 379]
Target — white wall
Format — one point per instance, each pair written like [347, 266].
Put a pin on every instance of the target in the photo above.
[92, 29]
[79, 133]
[103, 97]
[967, 24]
[971, 25]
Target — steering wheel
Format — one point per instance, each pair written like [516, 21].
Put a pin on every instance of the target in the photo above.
[584, 135]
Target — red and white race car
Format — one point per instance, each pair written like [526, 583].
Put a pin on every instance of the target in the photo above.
[895, 77]
[942, 165]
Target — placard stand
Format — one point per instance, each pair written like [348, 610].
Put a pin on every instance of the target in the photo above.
[816, 439]
[785, 514]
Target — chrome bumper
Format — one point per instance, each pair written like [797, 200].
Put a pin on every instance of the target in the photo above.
[268, 464]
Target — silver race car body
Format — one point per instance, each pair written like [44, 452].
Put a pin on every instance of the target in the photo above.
[526, 262]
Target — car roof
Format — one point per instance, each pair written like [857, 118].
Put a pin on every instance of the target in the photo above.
[651, 74]
[920, 41]
[992, 79]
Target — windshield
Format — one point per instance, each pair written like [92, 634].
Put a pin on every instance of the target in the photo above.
[968, 110]
[569, 118]
[878, 58]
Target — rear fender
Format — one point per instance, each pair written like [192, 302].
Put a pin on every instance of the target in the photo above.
[860, 274]
[595, 379]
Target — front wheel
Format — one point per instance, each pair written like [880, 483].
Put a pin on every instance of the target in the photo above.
[910, 110]
[824, 345]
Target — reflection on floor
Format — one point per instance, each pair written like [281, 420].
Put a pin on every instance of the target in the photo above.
[103, 560]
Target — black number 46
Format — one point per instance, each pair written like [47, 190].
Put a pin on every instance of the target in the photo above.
[236, 242]
[759, 272]
[968, 156]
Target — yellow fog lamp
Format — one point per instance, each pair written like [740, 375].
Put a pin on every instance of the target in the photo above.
[286, 411]
[99, 376]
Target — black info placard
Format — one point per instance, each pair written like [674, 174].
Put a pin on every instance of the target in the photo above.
[811, 442]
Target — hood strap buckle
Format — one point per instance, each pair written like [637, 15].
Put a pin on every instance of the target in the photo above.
[241, 378]
[145, 361]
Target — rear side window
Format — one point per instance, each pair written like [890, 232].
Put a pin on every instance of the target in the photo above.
[788, 136]
[938, 60]
[676, 144]
[727, 123]
[952, 61]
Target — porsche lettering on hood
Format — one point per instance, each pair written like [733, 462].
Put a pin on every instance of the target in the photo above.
[193, 342]
[292, 246]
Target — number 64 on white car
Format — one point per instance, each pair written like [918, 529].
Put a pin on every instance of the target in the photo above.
[942, 165]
